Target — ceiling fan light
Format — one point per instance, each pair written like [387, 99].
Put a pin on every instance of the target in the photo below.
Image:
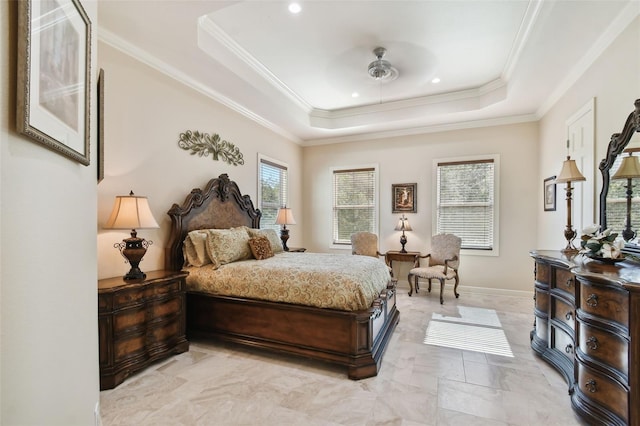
[381, 69]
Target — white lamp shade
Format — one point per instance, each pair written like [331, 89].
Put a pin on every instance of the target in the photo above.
[285, 217]
[131, 212]
[403, 225]
[569, 172]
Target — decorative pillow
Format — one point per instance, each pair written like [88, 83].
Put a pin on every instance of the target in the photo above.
[272, 236]
[195, 250]
[227, 245]
[260, 247]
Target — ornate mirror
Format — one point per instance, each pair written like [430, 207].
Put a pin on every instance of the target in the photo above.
[618, 207]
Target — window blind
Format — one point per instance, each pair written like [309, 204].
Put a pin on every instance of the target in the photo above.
[354, 203]
[273, 190]
[465, 202]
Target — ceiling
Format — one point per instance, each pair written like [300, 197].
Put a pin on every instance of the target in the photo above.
[296, 74]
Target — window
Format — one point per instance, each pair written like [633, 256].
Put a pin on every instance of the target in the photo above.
[272, 190]
[466, 201]
[355, 202]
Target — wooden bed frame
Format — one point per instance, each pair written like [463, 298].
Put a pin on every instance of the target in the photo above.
[355, 339]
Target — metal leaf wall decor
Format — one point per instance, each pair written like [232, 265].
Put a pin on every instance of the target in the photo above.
[204, 144]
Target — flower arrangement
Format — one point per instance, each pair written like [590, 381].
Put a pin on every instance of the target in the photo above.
[605, 244]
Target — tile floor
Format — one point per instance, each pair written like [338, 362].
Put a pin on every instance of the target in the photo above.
[497, 381]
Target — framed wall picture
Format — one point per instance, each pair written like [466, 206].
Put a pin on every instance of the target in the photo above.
[549, 193]
[54, 62]
[404, 198]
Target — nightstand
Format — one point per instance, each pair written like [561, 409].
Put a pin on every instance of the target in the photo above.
[297, 249]
[139, 322]
[398, 256]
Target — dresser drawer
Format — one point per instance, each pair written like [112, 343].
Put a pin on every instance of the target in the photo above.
[563, 312]
[606, 347]
[603, 390]
[565, 281]
[543, 272]
[605, 302]
[542, 300]
[562, 342]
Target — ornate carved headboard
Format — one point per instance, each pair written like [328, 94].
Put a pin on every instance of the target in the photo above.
[220, 205]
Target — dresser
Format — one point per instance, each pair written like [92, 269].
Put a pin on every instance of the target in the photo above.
[586, 325]
[139, 322]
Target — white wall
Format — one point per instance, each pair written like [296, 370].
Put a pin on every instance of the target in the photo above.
[614, 81]
[410, 159]
[48, 309]
[145, 113]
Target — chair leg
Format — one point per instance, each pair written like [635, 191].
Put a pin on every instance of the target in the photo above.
[410, 284]
[455, 287]
[417, 283]
[429, 285]
[441, 291]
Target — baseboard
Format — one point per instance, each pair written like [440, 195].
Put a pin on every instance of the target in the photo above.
[469, 289]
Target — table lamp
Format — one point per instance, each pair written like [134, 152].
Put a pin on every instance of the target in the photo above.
[131, 212]
[569, 173]
[403, 225]
[284, 218]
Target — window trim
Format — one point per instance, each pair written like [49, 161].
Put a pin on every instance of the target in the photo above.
[495, 251]
[265, 159]
[376, 199]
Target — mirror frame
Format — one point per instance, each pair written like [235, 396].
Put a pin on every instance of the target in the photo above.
[618, 142]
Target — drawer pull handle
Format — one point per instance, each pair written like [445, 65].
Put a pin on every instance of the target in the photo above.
[569, 348]
[591, 386]
[568, 315]
[569, 282]
[592, 343]
[592, 300]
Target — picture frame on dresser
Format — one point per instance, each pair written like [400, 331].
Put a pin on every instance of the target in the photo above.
[403, 197]
[53, 76]
[549, 193]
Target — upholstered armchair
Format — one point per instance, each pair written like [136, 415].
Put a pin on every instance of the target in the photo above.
[366, 244]
[444, 260]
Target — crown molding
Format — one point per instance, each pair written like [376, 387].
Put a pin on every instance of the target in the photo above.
[146, 58]
[462, 125]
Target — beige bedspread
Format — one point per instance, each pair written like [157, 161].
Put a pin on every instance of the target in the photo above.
[336, 281]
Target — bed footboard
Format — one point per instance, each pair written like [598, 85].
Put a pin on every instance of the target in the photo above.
[354, 339]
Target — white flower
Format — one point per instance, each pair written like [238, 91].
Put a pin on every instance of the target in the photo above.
[591, 230]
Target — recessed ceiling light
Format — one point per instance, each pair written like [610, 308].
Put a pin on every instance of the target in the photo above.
[435, 80]
[294, 8]
[355, 94]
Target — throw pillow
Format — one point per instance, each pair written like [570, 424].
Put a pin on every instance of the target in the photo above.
[260, 247]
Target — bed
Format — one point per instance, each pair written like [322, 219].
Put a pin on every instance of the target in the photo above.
[354, 338]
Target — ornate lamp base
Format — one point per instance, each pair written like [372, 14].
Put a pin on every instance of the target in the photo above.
[133, 250]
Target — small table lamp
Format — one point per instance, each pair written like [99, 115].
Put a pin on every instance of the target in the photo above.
[131, 212]
[284, 218]
[403, 225]
[629, 169]
[569, 173]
